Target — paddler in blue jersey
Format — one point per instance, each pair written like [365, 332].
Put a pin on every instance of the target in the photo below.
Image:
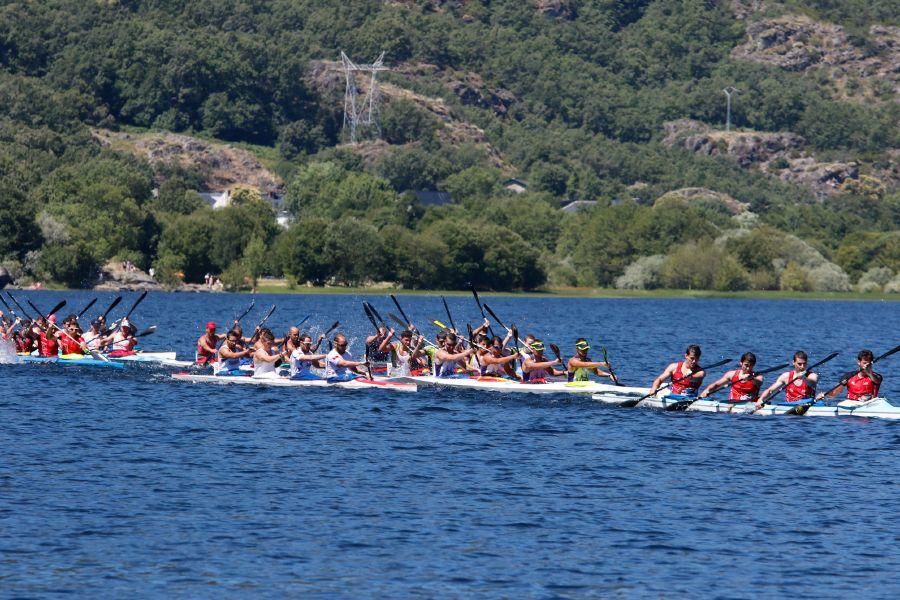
[230, 355]
[449, 360]
[495, 363]
[580, 366]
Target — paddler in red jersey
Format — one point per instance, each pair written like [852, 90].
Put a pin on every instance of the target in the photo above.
[863, 384]
[206, 345]
[71, 341]
[687, 375]
[803, 389]
[745, 382]
[47, 343]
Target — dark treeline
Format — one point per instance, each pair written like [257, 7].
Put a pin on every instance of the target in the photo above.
[587, 90]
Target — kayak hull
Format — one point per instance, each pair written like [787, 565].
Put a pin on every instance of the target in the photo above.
[500, 384]
[353, 384]
[71, 360]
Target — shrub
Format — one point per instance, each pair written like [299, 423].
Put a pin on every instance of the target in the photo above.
[645, 273]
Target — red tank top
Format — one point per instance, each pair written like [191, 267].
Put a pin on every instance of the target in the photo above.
[798, 390]
[204, 355]
[23, 344]
[744, 391]
[48, 346]
[69, 346]
[689, 383]
[859, 387]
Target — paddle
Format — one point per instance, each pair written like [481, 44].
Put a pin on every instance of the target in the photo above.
[515, 335]
[378, 316]
[131, 310]
[148, 331]
[400, 308]
[265, 318]
[114, 304]
[400, 322]
[754, 374]
[497, 319]
[85, 309]
[52, 312]
[449, 317]
[368, 366]
[21, 308]
[893, 350]
[809, 369]
[302, 321]
[8, 308]
[246, 312]
[556, 352]
[481, 308]
[630, 403]
[439, 324]
[612, 374]
[472, 344]
[334, 326]
[371, 316]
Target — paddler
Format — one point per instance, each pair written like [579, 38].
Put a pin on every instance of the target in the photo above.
[496, 363]
[580, 366]
[71, 342]
[802, 390]
[449, 360]
[122, 342]
[206, 345]
[405, 356]
[378, 347]
[303, 358]
[745, 382]
[47, 342]
[863, 383]
[230, 353]
[339, 364]
[266, 357]
[686, 375]
[536, 368]
[94, 335]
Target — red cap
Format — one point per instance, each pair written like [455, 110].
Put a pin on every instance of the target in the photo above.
[211, 325]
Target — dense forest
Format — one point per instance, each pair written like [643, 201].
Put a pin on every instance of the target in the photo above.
[617, 103]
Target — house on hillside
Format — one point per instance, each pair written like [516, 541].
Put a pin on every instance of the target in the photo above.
[517, 186]
[433, 197]
[578, 206]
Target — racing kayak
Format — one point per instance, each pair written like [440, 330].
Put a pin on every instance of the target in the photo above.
[501, 384]
[877, 408]
[166, 359]
[360, 383]
[70, 359]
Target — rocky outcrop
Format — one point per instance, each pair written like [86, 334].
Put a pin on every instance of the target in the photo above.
[864, 72]
[118, 276]
[224, 166]
[472, 91]
[558, 9]
[701, 196]
[780, 154]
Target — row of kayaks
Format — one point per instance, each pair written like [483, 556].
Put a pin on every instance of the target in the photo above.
[605, 393]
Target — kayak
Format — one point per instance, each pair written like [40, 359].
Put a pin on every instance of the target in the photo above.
[70, 359]
[166, 359]
[876, 408]
[501, 384]
[717, 406]
[353, 384]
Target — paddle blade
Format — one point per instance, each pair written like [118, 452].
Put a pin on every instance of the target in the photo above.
[57, 308]
[494, 316]
[114, 304]
[556, 352]
[334, 326]
[86, 308]
[150, 330]
[888, 353]
[136, 302]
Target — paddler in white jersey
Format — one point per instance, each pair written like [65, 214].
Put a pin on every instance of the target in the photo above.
[122, 342]
[494, 363]
[303, 358]
[339, 364]
[266, 357]
[230, 354]
[406, 357]
[536, 368]
[94, 335]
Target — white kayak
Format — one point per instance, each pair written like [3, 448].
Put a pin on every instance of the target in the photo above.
[717, 406]
[166, 359]
[500, 384]
[876, 408]
[360, 383]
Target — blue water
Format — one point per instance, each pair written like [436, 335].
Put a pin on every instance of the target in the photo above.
[116, 484]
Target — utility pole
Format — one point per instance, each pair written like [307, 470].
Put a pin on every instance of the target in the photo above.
[362, 114]
[728, 92]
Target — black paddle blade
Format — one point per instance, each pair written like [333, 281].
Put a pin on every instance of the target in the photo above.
[57, 308]
[246, 312]
[886, 354]
[114, 304]
[494, 316]
[332, 328]
[370, 315]
[556, 352]
[86, 308]
[136, 302]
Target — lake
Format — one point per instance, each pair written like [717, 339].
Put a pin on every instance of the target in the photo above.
[117, 484]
